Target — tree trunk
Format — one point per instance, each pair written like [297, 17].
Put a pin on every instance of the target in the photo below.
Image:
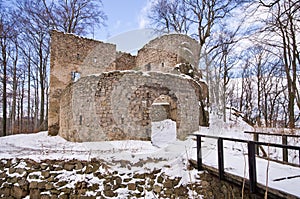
[259, 79]
[14, 93]
[224, 103]
[42, 86]
[22, 106]
[36, 105]
[289, 45]
[4, 97]
[29, 121]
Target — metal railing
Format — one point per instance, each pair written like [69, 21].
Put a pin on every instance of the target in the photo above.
[284, 141]
[251, 155]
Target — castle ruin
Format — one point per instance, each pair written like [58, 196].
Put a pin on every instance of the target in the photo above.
[97, 93]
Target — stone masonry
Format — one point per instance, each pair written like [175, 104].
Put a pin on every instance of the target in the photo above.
[117, 105]
[98, 94]
[26, 178]
[163, 53]
[69, 55]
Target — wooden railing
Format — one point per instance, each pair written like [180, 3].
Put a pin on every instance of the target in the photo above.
[251, 155]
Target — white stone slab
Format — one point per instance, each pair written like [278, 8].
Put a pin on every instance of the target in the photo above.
[163, 132]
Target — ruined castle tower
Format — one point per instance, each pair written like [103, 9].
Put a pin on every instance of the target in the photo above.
[97, 93]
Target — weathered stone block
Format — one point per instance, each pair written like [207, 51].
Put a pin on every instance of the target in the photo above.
[35, 193]
[131, 186]
[157, 189]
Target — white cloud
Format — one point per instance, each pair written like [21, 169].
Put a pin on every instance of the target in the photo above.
[143, 17]
[117, 24]
[143, 23]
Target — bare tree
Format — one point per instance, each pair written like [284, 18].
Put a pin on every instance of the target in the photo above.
[36, 26]
[24, 57]
[193, 17]
[14, 57]
[207, 13]
[228, 59]
[281, 32]
[7, 34]
[76, 16]
[247, 98]
[170, 16]
[267, 75]
[4, 57]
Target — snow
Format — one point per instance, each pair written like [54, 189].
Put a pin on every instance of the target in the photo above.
[236, 159]
[163, 133]
[171, 156]
[188, 50]
[21, 165]
[160, 104]
[149, 73]
[39, 147]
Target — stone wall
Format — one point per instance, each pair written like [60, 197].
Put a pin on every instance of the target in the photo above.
[117, 105]
[212, 187]
[72, 54]
[165, 52]
[63, 179]
[163, 107]
[125, 61]
[72, 121]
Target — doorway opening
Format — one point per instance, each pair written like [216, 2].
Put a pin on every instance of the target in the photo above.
[163, 114]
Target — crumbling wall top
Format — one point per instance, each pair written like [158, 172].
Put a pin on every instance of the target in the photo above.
[164, 52]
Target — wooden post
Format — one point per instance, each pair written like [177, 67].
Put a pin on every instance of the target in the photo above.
[256, 139]
[284, 150]
[199, 153]
[252, 166]
[220, 158]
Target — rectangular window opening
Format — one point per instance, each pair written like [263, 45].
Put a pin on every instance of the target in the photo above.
[75, 76]
[80, 120]
[148, 67]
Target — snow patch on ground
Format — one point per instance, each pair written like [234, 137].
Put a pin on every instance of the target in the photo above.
[142, 156]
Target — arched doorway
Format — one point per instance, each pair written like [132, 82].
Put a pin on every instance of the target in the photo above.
[163, 115]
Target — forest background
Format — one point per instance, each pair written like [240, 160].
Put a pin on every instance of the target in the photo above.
[249, 54]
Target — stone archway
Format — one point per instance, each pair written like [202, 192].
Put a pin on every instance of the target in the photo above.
[163, 115]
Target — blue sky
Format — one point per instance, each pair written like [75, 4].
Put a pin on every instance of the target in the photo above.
[127, 20]
[123, 16]
[125, 25]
